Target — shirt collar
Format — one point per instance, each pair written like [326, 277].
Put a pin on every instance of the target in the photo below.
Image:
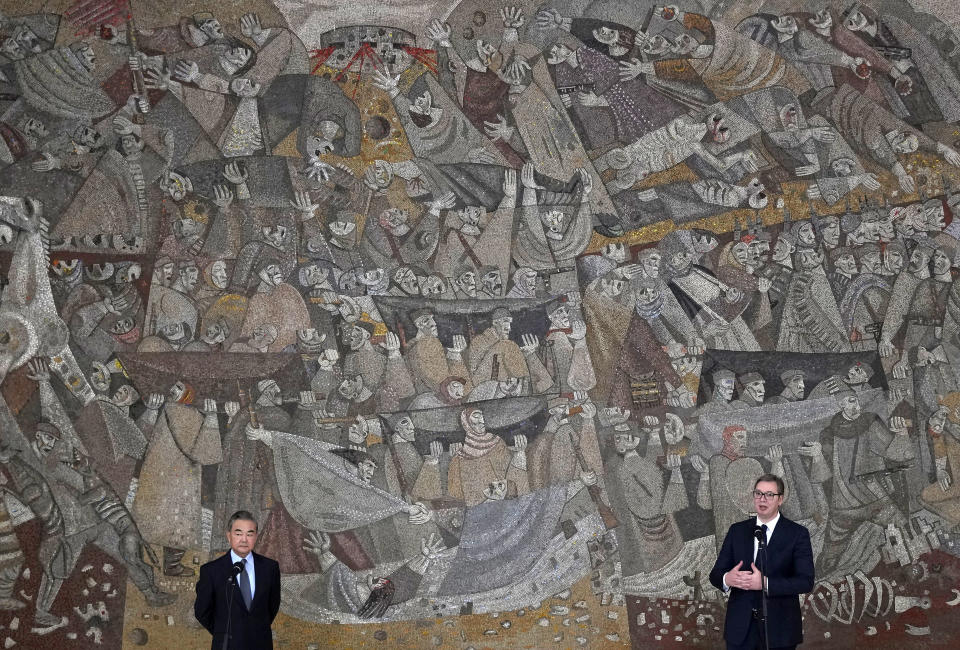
[770, 524]
[234, 558]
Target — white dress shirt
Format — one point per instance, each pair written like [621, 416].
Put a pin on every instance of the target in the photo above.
[756, 547]
[248, 567]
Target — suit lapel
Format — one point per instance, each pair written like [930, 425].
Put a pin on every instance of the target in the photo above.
[777, 536]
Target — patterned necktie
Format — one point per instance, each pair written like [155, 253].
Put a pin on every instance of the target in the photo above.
[759, 562]
[244, 583]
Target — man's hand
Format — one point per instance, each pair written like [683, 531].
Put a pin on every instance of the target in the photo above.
[459, 344]
[527, 178]
[305, 205]
[589, 98]
[222, 196]
[586, 182]
[516, 71]
[901, 369]
[186, 71]
[885, 348]
[550, 19]
[823, 134]
[251, 28]
[209, 406]
[868, 181]
[418, 514]
[578, 330]
[529, 343]
[439, 33]
[385, 81]
[519, 443]
[259, 433]
[155, 401]
[49, 163]
[810, 449]
[445, 202]
[589, 410]
[774, 454]
[318, 170]
[510, 183]
[747, 580]
[634, 68]
[498, 130]
[231, 409]
[764, 284]
[391, 343]
[512, 17]
[806, 170]
[455, 448]
[317, 543]
[673, 461]
[732, 294]
[907, 184]
[699, 464]
[943, 478]
[949, 154]
[436, 450]
[588, 478]
[899, 426]
[37, 370]
[233, 173]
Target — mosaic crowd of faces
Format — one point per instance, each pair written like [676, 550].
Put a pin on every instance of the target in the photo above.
[471, 309]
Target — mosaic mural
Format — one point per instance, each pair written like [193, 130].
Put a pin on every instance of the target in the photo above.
[490, 312]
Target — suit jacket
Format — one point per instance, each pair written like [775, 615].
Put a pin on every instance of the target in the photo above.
[789, 572]
[249, 630]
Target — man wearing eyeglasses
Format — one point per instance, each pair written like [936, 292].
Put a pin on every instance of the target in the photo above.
[742, 571]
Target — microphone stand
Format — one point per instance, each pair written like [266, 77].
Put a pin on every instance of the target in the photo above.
[762, 539]
[231, 581]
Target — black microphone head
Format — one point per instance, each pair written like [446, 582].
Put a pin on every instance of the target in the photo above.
[237, 568]
[759, 535]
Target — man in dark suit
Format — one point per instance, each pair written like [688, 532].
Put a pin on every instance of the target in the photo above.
[786, 572]
[252, 582]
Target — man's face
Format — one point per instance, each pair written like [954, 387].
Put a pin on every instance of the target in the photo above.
[189, 276]
[271, 394]
[648, 295]
[218, 274]
[176, 186]
[785, 25]
[810, 258]
[842, 167]
[343, 229]
[395, 217]
[86, 56]
[560, 317]
[724, 389]
[831, 232]
[406, 280]
[789, 117]
[124, 396]
[680, 259]
[656, 45]
[847, 263]
[855, 21]
[212, 28]
[350, 387]
[767, 507]
[172, 331]
[34, 128]
[455, 390]
[45, 442]
[502, 326]
[355, 336]
[12, 49]
[365, 470]
[755, 390]
[806, 235]
[553, 223]
[87, 137]
[871, 262]
[919, 259]
[276, 235]
[262, 336]
[850, 406]
[423, 103]
[895, 260]
[857, 374]
[432, 287]
[612, 288]
[245, 87]
[242, 536]
[934, 217]
[427, 324]
[129, 144]
[470, 214]
[476, 420]
[214, 334]
[328, 359]
[558, 54]
[185, 227]
[496, 491]
[906, 143]
[177, 391]
[651, 265]
[738, 441]
[796, 386]
[492, 282]
[237, 56]
[467, 281]
[625, 442]
[782, 250]
[405, 428]
[758, 249]
[123, 325]
[940, 262]
[315, 275]
[822, 19]
[511, 386]
[684, 44]
[100, 381]
[673, 431]
[741, 253]
[606, 35]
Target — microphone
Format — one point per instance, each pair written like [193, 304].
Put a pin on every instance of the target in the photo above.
[235, 570]
[759, 535]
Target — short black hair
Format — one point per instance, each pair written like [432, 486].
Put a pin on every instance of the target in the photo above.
[771, 478]
[242, 515]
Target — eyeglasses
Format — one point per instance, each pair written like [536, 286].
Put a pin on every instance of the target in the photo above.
[760, 496]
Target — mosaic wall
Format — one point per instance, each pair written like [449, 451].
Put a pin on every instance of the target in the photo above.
[490, 313]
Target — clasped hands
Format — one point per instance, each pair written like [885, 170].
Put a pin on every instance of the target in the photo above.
[744, 579]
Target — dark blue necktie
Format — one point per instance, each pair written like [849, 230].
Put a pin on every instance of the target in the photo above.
[759, 562]
[245, 585]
